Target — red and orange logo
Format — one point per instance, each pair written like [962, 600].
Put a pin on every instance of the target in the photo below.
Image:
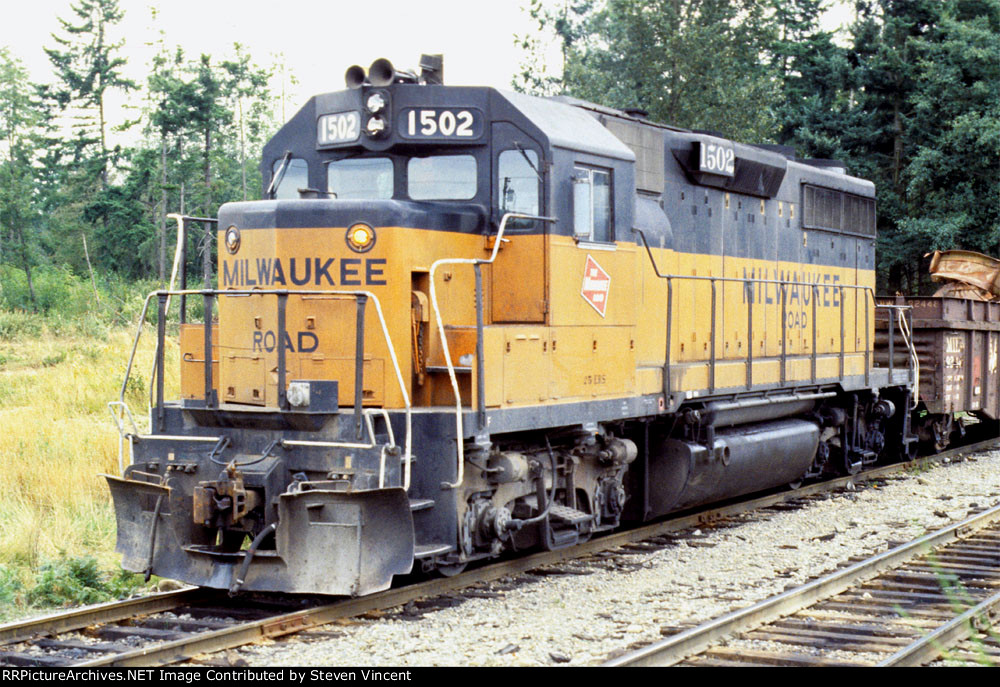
[596, 285]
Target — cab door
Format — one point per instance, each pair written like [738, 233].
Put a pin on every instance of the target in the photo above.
[518, 289]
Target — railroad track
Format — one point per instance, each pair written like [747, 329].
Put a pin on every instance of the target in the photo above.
[908, 606]
[172, 627]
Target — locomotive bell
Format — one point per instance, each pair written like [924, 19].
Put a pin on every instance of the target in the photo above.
[355, 76]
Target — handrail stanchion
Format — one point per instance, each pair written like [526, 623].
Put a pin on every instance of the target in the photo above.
[868, 344]
[480, 363]
[892, 342]
[670, 321]
[179, 256]
[843, 333]
[280, 343]
[161, 331]
[784, 335]
[183, 272]
[815, 296]
[210, 400]
[359, 363]
[909, 337]
[711, 368]
[748, 294]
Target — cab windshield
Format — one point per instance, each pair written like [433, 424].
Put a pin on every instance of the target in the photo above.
[360, 178]
[437, 177]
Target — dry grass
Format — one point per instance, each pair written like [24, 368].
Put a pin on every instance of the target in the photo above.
[56, 436]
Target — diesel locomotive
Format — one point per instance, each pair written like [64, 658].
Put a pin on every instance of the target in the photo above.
[464, 321]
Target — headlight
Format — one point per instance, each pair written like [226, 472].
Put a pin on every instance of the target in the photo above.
[375, 103]
[360, 237]
[232, 239]
[375, 126]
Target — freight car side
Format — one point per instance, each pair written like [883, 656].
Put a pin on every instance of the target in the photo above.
[956, 340]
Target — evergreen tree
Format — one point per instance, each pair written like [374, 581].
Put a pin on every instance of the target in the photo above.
[247, 86]
[88, 66]
[926, 128]
[693, 63]
[951, 177]
[563, 26]
[814, 77]
[20, 117]
[166, 121]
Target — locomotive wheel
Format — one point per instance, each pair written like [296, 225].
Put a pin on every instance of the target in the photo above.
[451, 570]
[935, 432]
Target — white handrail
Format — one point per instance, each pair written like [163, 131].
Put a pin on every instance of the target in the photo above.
[408, 443]
[444, 340]
[177, 251]
[904, 328]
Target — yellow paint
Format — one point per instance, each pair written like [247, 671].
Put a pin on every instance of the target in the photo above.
[192, 343]
[543, 342]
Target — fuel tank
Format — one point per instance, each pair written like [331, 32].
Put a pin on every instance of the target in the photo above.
[742, 460]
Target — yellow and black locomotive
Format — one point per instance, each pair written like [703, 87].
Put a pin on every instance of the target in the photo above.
[465, 321]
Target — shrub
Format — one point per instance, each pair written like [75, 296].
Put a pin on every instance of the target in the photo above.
[69, 581]
[11, 588]
[16, 325]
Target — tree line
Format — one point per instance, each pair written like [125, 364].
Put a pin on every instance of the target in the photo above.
[72, 200]
[911, 101]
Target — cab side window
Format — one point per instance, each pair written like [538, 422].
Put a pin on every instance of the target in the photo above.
[592, 204]
[295, 176]
[518, 181]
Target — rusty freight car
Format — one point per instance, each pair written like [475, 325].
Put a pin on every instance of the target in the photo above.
[956, 340]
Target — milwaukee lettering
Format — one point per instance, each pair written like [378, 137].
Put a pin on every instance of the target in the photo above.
[247, 272]
[826, 286]
[267, 341]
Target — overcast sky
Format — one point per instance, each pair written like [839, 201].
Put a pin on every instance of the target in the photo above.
[319, 39]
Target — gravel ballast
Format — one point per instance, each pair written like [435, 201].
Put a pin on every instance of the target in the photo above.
[584, 612]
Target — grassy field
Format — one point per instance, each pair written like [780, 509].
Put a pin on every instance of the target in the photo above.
[57, 526]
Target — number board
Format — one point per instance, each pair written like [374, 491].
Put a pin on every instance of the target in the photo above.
[441, 123]
[716, 158]
[340, 127]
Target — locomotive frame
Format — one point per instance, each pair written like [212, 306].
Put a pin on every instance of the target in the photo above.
[539, 368]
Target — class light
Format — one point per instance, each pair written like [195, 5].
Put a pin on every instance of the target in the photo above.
[360, 237]
[375, 103]
[232, 239]
[375, 126]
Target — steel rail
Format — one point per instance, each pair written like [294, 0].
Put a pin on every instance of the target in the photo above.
[936, 643]
[112, 611]
[185, 648]
[219, 640]
[678, 647]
